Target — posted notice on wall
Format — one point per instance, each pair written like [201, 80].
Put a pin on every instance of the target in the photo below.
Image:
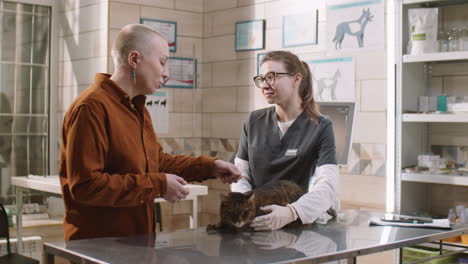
[182, 73]
[157, 105]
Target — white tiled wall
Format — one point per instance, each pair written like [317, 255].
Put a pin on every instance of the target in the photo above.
[219, 48]
[373, 95]
[214, 5]
[189, 24]
[233, 72]
[227, 125]
[82, 44]
[185, 105]
[189, 5]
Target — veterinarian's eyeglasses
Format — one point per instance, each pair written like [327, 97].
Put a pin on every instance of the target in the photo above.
[269, 78]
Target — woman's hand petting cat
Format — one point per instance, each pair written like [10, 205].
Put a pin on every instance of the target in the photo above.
[278, 217]
[175, 188]
[226, 171]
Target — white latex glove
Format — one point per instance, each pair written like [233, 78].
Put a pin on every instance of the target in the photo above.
[278, 217]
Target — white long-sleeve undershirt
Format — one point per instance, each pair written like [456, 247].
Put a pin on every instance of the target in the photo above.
[321, 196]
[322, 193]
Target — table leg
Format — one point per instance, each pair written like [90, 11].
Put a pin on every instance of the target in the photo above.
[48, 258]
[19, 219]
[400, 255]
[352, 260]
[194, 218]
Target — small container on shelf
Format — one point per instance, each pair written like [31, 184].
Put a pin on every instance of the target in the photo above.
[442, 40]
[464, 239]
[427, 104]
[463, 42]
[452, 239]
[463, 259]
[453, 40]
[442, 103]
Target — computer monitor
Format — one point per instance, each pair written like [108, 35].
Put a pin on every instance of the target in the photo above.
[342, 116]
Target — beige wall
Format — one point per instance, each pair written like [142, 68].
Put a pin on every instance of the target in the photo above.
[82, 49]
[184, 104]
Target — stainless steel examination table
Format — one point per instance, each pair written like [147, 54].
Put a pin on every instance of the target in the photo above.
[346, 238]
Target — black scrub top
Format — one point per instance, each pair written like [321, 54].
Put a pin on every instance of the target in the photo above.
[305, 146]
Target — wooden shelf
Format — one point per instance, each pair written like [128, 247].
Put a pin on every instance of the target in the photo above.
[435, 178]
[439, 56]
[436, 118]
[452, 246]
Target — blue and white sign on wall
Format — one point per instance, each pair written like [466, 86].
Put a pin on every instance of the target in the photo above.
[250, 35]
[259, 61]
[300, 29]
[182, 73]
[167, 28]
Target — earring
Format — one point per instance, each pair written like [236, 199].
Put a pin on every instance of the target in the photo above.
[133, 75]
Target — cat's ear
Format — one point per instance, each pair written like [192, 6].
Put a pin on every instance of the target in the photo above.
[224, 197]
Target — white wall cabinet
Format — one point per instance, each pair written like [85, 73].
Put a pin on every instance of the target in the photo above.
[441, 73]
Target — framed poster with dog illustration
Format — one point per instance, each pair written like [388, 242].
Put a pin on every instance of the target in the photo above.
[158, 108]
[355, 25]
[333, 79]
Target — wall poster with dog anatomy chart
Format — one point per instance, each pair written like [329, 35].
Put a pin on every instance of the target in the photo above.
[355, 25]
[157, 105]
[333, 79]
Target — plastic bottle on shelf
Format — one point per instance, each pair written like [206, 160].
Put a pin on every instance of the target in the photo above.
[442, 39]
[463, 42]
[453, 40]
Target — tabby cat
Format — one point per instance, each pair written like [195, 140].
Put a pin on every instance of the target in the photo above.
[237, 210]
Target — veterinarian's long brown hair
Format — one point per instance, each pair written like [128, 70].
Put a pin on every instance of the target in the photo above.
[306, 92]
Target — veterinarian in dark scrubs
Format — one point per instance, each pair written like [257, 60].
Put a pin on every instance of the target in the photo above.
[289, 141]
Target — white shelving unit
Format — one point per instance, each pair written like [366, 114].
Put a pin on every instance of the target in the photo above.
[415, 193]
[437, 57]
[434, 2]
[435, 178]
[436, 118]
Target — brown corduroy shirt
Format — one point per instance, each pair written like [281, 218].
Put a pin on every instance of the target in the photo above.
[112, 166]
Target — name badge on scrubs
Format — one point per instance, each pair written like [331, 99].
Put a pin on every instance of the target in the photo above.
[291, 153]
